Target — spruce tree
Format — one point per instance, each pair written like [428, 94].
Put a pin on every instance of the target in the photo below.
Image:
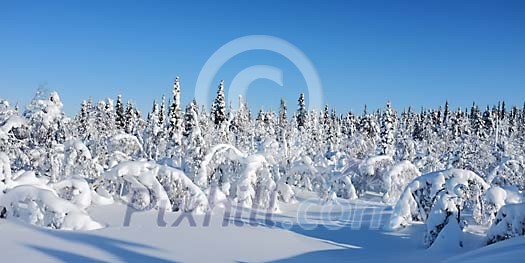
[388, 121]
[219, 106]
[446, 113]
[175, 115]
[302, 114]
[283, 118]
[119, 111]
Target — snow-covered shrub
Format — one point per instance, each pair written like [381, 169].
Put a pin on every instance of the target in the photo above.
[5, 169]
[146, 185]
[304, 174]
[124, 147]
[222, 160]
[286, 192]
[445, 211]
[136, 184]
[495, 198]
[256, 187]
[509, 223]
[371, 172]
[397, 178]
[10, 124]
[509, 173]
[418, 198]
[342, 186]
[182, 193]
[450, 237]
[75, 190]
[43, 207]
[248, 180]
[78, 161]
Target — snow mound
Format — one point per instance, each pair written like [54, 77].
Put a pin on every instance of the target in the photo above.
[75, 190]
[43, 207]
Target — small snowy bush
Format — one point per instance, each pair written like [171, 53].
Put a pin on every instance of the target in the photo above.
[78, 160]
[43, 207]
[146, 185]
[5, 169]
[397, 178]
[446, 211]
[124, 147]
[509, 223]
[419, 197]
[509, 173]
[371, 173]
[343, 188]
[495, 198]
[75, 190]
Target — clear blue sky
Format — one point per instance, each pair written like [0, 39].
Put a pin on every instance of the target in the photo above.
[416, 53]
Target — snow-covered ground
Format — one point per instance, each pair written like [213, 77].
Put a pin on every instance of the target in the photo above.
[351, 231]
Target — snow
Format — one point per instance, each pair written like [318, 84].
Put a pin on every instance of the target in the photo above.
[397, 178]
[408, 209]
[144, 180]
[14, 121]
[509, 223]
[76, 190]
[341, 239]
[5, 168]
[450, 238]
[44, 208]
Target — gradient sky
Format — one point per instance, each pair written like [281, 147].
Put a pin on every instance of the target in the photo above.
[417, 53]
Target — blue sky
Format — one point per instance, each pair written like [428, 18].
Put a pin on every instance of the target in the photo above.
[417, 53]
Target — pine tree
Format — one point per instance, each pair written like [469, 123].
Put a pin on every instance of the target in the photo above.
[488, 121]
[119, 108]
[219, 106]
[478, 125]
[176, 115]
[302, 113]
[503, 111]
[388, 122]
[446, 113]
[283, 118]
[162, 113]
[82, 119]
[193, 141]
[129, 118]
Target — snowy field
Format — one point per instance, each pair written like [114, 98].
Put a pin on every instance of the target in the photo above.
[326, 237]
[337, 236]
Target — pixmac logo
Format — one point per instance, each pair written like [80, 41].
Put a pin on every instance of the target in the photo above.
[241, 82]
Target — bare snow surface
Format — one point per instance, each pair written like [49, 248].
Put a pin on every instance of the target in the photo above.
[287, 237]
